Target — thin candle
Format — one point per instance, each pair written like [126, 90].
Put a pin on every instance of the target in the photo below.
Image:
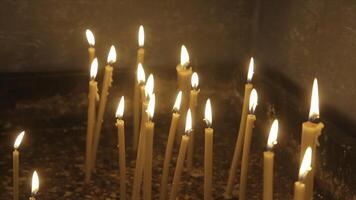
[91, 41]
[139, 83]
[141, 43]
[305, 167]
[240, 137]
[149, 131]
[15, 162]
[251, 118]
[169, 146]
[35, 185]
[120, 124]
[107, 81]
[268, 162]
[208, 153]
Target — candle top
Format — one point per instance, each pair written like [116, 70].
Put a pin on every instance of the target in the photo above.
[178, 101]
[208, 115]
[250, 70]
[314, 104]
[305, 166]
[195, 81]
[19, 139]
[273, 134]
[120, 108]
[90, 37]
[141, 36]
[112, 55]
[35, 183]
[184, 57]
[94, 68]
[253, 101]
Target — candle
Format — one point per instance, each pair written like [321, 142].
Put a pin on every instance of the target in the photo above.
[240, 137]
[181, 157]
[139, 85]
[93, 95]
[169, 146]
[193, 101]
[91, 40]
[310, 132]
[15, 162]
[141, 42]
[268, 162]
[251, 118]
[184, 73]
[208, 153]
[103, 98]
[149, 126]
[120, 124]
[34, 185]
[305, 167]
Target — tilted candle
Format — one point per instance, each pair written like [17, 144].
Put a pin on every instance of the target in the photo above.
[120, 124]
[208, 153]
[15, 163]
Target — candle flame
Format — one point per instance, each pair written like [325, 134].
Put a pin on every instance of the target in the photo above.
[141, 36]
[178, 101]
[195, 80]
[149, 85]
[112, 55]
[314, 106]
[184, 56]
[273, 134]
[305, 167]
[188, 122]
[19, 139]
[250, 70]
[253, 101]
[120, 108]
[208, 115]
[90, 37]
[35, 183]
[94, 68]
[141, 76]
[151, 106]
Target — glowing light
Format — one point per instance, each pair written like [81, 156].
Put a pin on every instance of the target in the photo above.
[250, 70]
[151, 106]
[188, 122]
[314, 106]
[178, 101]
[94, 68]
[35, 183]
[253, 101]
[149, 85]
[184, 56]
[305, 167]
[90, 37]
[120, 108]
[112, 55]
[208, 115]
[273, 134]
[141, 36]
[141, 76]
[195, 80]
[19, 139]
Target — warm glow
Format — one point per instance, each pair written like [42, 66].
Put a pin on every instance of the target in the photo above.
[94, 68]
[273, 134]
[35, 183]
[250, 70]
[253, 101]
[120, 108]
[141, 36]
[19, 139]
[178, 101]
[151, 106]
[149, 85]
[141, 76]
[112, 55]
[188, 122]
[90, 37]
[184, 56]
[314, 106]
[208, 116]
[195, 80]
[305, 167]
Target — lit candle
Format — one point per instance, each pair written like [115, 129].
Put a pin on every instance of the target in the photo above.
[15, 162]
[91, 40]
[107, 81]
[184, 73]
[93, 95]
[268, 162]
[240, 137]
[193, 102]
[251, 118]
[120, 124]
[141, 43]
[181, 157]
[310, 132]
[149, 131]
[35, 185]
[169, 146]
[305, 167]
[208, 153]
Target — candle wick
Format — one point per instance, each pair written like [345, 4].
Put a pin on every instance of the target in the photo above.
[175, 110]
[188, 132]
[208, 123]
[314, 119]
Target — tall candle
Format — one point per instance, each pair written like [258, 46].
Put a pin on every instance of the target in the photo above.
[240, 137]
[184, 73]
[208, 153]
[15, 162]
[149, 131]
[305, 167]
[310, 132]
[251, 118]
[169, 147]
[103, 98]
[141, 78]
[93, 95]
[141, 43]
[181, 157]
[91, 40]
[193, 102]
[120, 124]
[268, 162]
[35, 184]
